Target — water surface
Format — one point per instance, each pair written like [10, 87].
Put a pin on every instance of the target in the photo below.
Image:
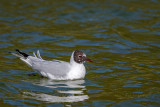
[121, 36]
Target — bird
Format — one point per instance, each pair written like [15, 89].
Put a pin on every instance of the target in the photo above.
[56, 69]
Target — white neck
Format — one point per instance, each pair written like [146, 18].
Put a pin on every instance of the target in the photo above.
[76, 70]
[72, 59]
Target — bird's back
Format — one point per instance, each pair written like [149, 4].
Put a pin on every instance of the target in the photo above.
[52, 69]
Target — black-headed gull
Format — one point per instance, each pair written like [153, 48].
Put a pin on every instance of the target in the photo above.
[56, 69]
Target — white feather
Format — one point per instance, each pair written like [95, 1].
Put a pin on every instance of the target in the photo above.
[34, 54]
[38, 54]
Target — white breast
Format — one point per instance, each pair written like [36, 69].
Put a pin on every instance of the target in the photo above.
[77, 71]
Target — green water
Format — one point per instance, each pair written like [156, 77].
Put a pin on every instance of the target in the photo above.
[122, 36]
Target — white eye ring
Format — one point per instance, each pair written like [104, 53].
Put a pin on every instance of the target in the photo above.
[80, 56]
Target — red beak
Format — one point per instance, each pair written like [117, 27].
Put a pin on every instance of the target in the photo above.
[90, 60]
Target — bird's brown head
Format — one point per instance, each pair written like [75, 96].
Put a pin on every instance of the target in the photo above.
[80, 57]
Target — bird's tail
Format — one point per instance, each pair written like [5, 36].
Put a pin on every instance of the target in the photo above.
[20, 54]
[23, 56]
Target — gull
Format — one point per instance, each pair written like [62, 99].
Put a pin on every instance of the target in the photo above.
[56, 69]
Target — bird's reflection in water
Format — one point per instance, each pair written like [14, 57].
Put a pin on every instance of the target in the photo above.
[63, 91]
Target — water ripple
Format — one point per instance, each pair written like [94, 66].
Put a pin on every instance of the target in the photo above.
[122, 37]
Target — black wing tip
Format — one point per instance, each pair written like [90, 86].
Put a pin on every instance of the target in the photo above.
[17, 50]
[22, 53]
